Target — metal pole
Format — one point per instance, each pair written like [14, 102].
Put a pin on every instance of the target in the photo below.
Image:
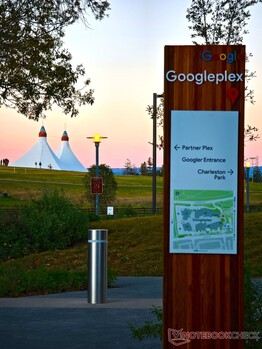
[97, 175]
[97, 265]
[252, 164]
[247, 193]
[154, 153]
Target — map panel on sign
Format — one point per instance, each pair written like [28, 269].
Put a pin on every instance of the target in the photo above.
[204, 221]
[203, 181]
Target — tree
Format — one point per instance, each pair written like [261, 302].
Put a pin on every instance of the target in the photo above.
[129, 168]
[150, 164]
[109, 185]
[35, 70]
[143, 169]
[218, 22]
[221, 22]
[5, 162]
[250, 133]
[146, 168]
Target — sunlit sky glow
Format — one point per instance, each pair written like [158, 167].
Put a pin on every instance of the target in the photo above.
[123, 56]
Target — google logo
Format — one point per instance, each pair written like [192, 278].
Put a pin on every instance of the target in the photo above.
[207, 56]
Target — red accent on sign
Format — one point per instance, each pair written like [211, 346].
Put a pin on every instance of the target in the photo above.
[97, 185]
[233, 94]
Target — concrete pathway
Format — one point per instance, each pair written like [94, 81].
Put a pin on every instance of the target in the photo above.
[67, 321]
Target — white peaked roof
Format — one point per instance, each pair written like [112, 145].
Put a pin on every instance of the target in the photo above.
[67, 157]
[40, 155]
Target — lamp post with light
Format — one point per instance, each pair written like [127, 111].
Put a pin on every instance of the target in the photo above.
[247, 181]
[97, 139]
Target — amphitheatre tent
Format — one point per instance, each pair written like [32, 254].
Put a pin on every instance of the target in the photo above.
[42, 156]
[67, 157]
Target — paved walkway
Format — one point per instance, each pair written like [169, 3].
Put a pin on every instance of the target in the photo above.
[67, 321]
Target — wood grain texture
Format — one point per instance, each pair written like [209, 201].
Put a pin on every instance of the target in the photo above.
[202, 292]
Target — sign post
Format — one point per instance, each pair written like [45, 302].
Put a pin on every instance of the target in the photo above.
[97, 185]
[203, 200]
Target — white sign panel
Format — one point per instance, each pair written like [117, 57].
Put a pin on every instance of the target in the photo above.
[203, 182]
[110, 210]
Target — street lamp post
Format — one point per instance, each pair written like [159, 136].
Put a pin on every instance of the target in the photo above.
[97, 139]
[154, 117]
[97, 142]
[247, 181]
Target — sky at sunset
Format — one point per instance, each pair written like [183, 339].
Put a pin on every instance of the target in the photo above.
[123, 56]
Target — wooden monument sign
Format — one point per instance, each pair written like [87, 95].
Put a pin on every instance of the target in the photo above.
[203, 201]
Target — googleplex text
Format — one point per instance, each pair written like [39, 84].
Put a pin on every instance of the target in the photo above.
[200, 78]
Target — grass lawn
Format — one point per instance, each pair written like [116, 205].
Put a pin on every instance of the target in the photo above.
[253, 242]
[26, 184]
[135, 244]
[134, 249]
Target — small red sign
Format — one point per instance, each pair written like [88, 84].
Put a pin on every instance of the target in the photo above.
[97, 185]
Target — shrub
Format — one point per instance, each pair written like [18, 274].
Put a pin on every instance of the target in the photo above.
[150, 328]
[109, 185]
[52, 222]
[18, 280]
[252, 315]
[127, 212]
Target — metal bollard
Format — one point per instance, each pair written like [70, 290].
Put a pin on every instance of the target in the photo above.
[97, 266]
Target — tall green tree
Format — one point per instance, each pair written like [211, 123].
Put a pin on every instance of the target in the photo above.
[144, 169]
[36, 71]
[109, 185]
[214, 22]
[219, 21]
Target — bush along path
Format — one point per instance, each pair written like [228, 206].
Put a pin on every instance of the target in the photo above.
[50, 223]
[252, 315]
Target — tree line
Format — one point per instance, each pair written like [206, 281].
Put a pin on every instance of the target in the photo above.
[145, 168]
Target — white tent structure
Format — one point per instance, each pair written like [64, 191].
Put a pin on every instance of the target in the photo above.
[40, 155]
[67, 157]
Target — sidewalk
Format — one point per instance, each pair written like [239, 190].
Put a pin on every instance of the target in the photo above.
[67, 321]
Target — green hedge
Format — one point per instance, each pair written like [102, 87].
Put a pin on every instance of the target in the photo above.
[50, 223]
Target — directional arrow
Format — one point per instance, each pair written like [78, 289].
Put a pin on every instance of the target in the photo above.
[176, 147]
[230, 172]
